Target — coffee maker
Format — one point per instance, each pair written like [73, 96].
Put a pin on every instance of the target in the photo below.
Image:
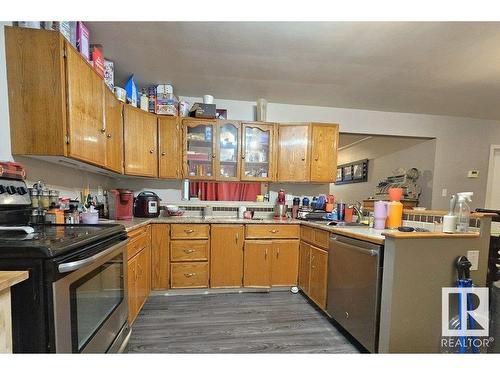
[280, 207]
[120, 204]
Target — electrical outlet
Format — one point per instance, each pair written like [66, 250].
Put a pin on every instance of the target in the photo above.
[473, 174]
[444, 192]
[473, 256]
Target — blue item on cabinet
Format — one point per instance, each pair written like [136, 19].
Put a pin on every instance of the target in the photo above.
[131, 90]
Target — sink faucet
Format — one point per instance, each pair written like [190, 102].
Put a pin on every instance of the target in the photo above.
[358, 208]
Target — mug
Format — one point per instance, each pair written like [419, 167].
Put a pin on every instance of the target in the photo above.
[208, 99]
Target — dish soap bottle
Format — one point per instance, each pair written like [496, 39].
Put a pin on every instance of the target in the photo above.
[463, 211]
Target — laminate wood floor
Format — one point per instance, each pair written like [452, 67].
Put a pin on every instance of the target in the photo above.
[275, 322]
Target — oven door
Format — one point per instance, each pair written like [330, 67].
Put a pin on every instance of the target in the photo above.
[90, 302]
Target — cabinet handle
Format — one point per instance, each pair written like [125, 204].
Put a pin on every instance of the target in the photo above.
[213, 156]
[109, 136]
[316, 158]
[163, 154]
[191, 274]
[265, 254]
[189, 251]
[304, 159]
[151, 151]
[103, 130]
[237, 237]
[274, 231]
[189, 230]
[278, 253]
[243, 157]
[346, 315]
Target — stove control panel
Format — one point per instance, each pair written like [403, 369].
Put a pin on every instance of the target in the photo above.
[13, 193]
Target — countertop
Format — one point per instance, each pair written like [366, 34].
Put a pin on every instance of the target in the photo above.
[10, 278]
[361, 233]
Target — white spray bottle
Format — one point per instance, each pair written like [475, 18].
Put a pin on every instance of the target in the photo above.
[463, 211]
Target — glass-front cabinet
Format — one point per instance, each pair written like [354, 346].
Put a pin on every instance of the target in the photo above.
[229, 150]
[199, 149]
[258, 152]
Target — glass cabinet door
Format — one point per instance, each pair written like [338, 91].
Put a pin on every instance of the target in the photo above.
[200, 154]
[258, 152]
[228, 166]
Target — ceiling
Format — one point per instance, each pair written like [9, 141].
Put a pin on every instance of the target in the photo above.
[447, 68]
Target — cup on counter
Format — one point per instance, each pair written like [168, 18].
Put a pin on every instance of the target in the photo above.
[259, 198]
[348, 214]
[248, 214]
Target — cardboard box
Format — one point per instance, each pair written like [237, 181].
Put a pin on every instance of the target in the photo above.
[83, 40]
[109, 74]
[202, 110]
[166, 102]
[98, 61]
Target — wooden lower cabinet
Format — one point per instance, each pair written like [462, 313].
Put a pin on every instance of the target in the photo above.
[189, 275]
[160, 263]
[139, 282]
[257, 263]
[318, 276]
[304, 266]
[285, 262]
[226, 256]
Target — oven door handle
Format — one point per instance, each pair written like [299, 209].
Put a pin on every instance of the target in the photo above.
[76, 265]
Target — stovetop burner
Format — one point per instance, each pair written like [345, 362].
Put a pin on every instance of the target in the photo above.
[52, 240]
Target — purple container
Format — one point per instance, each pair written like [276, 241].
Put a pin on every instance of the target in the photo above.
[380, 214]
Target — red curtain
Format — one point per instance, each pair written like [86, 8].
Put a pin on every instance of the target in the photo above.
[224, 191]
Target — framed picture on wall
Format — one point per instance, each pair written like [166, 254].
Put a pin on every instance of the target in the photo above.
[352, 172]
[339, 175]
[347, 173]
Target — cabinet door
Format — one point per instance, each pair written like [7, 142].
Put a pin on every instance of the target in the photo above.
[258, 158]
[199, 149]
[318, 277]
[169, 147]
[85, 100]
[227, 162]
[285, 262]
[160, 267]
[304, 266]
[226, 256]
[324, 144]
[293, 153]
[114, 131]
[132, 289]
[140, 137]
[143, 276]
[257, 264]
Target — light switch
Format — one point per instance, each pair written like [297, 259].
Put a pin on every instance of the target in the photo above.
[444, 192]
[473, 174]
[473, 256]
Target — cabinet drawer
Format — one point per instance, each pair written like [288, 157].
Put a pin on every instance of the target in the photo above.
[185, 231]
[186, 250]
[189, 275]
[272, 231]
[139, 239]
[317, 237]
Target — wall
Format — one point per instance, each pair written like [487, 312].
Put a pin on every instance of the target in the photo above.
[420, 156]
[462, 144]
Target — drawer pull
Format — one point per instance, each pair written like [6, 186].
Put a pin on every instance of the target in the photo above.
[274, 231]
[189, 251]
[189, 231]
[191, 274]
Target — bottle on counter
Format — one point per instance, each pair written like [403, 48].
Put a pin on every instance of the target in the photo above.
[394, 209]
[463, 211]
[295, 207]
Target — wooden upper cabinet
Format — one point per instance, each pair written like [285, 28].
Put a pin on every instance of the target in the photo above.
[37, 91]
[199, 149]
[169, 147]
[140, 142]
[258, 153]
[228, 151]
[257, 264]
[85, 92]
[114, 131]
[226, 256]
[324, 145]
[293, 153]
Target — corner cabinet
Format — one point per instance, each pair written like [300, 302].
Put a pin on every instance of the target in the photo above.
[56, 99]
[140, 142]
[258, 154]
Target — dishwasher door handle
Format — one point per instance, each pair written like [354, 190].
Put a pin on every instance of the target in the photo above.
[370, 252]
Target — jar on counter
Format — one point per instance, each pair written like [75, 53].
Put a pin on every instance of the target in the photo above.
[44, 199]
[53, 198]
[35, 202]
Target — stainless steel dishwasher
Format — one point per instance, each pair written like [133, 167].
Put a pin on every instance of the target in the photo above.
[354, 277]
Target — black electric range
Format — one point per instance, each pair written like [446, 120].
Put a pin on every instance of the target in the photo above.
[74, 300]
